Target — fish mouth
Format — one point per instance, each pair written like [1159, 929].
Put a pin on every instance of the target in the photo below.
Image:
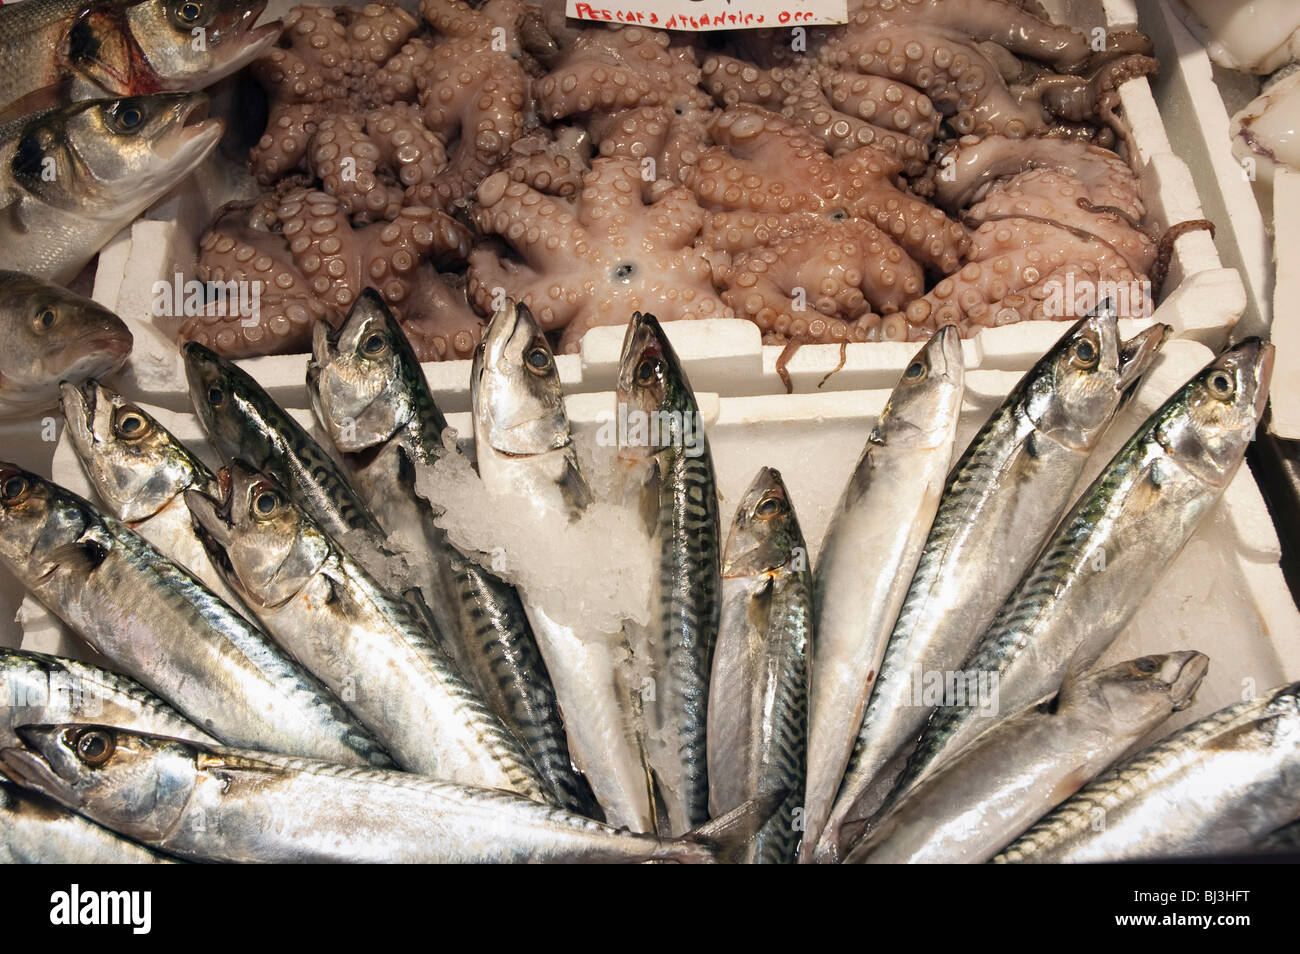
[211, 516]
[500, 333]
[946, 357]
[1262, 359]
[79, 403]
[1138, 353]
[193, 134]
[641, 340]
[30, 768]
[1183, 689]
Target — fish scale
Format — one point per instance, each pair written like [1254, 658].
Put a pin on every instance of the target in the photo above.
[1207, 769]
[1109, 550]
[159, 625]
[1000, 502]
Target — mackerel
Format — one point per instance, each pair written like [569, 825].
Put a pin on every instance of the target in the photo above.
[1021, 768]
[1001, 501]
[38, 688]
[368, 647]
[209, 804]
[140, 473]
[758, 714]
[869, 554]
[157, 624]
[1216, 787]
[679, 499]
[1111, 549]
[35, 830]
[370, 396]
[524, 448]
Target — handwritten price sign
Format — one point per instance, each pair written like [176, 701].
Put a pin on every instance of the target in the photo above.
[697, 15]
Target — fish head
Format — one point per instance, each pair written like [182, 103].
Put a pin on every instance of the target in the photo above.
[1135, 694]
[359, 376]
[922, 409]
[190, 44]
[218, 399]
[264, 546]
[53, 335]
[103, 155]
[43, 528]
[1074, 392]
[653, 387]
[1208, 426]
[517, 396]
[134, 784]
[135, 464]
[764, 536]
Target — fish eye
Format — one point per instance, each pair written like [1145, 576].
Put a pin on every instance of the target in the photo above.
[95, 747]
[915, 371]
[649, 370]
[538, 359]
[769, 507]
[216, 396]
[189, 12]
[130, 424]
[265, 503]
[14, 489]
[1221, 384]
[1085, 353]
[373, 345]
[1146, 664]
[128, 119]
[45, 319]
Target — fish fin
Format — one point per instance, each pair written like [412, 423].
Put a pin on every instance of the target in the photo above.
[729, 833]
[86, 552]
[37, 101]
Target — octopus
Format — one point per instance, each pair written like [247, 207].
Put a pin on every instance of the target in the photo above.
[1047, 216]
[636, 91]
[310, 263]
[621, 245]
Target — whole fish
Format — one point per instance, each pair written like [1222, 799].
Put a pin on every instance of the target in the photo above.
[60, 51]
[664, 443]
[36, 688]
[370, 396]
[1112, 547]
[238, 806]
[1021, 768]
[244, 423]
[51, 335]
[758, 710]
[37, 830]
[869, 554]
[156, 623]
[368, 647]
[1002, 499]
[141, 472]
[1215, 787]
[524, 448]
[72, 177]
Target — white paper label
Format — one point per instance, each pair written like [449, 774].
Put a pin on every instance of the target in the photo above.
[698, 15]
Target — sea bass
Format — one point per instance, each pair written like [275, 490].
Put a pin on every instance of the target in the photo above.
[665, 448]
[159, 625]
[1001, 501]
[141, 472]
[73, 176]
[1215, 787]
[524, 448]
[370, 396]
[869, 555]
[236, 806]
[51, 335]
[1021, 768]
[758, 709]
[1112, 547]
[368, 647]
[61, 51]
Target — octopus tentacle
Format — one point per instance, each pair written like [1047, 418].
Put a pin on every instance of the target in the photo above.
[438, 319]
[552, 163]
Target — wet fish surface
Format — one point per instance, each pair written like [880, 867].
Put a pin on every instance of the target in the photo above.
[869, 554]
[973, 806]
[160, 626]
[758, 711]
[37, 830]
[1001, 501]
